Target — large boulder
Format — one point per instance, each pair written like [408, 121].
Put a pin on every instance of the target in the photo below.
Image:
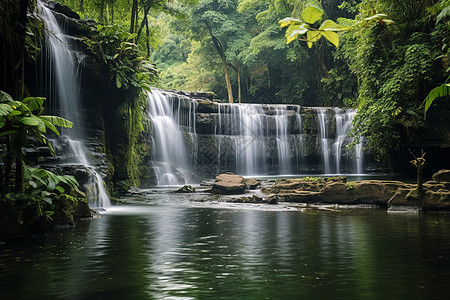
[376, 191]
[432, 199]
[229, 184]
[442, 175]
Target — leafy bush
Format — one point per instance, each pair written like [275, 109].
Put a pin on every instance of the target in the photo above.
[44, 192]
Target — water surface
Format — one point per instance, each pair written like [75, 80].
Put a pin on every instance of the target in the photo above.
[165, 246]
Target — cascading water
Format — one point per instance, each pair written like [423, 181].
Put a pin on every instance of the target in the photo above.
[206, 138]
[343, 124]
[323, 127]
[64, 73]
[283, 148]
[171, 162]
[343, 121]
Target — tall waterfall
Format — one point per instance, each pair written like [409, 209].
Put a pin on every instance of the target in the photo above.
[195, 139]
[65, 93]
[171, 162]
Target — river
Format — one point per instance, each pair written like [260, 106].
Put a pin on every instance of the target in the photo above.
[169, 246]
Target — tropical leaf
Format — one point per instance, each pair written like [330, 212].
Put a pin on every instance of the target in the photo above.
[437, 92]
[5, 109]
[57, 121]
[312, 37]
[312, 14]
[34, 103]
[332, 37]
[289, 21]
[375, 17]
[294, 30]
[50, 126]
[5, 97]
[33, 121]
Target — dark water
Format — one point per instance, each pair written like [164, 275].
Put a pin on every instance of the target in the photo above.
[167, 247]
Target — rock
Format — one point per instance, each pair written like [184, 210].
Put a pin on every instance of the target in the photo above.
[229, 184]
[272, 199]
[442, 175]
[314, 184]
[186, 189]
[301, 197]
[336, 192]
[58, 7]
[409, 199]
[252, 183]
[376, 191]
[252, 199]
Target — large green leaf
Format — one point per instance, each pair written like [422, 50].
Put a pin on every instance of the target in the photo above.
[33, 121]
[439, 91]
[58, 121]
[50, 126]
[5, 97]
[289, 21]
[312, 37]
[34, 103]
[294, 30]
[5, 109]
[312, 14]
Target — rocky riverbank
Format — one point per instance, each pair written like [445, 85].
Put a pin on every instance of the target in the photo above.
[394, 195]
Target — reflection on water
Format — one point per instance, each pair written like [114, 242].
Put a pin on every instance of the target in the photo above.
[160, 248]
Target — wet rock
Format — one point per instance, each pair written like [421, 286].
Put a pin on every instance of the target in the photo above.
[301, 197]
[442, 175]
[252, 183]
[229, 184]
[272, 199]
[314, 184]
[429, 200]
[186, 189]
[58, 7]
[376, 191]
[253, 199]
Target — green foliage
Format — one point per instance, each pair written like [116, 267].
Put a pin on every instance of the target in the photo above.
[115, 47]
[43, 193]
[303, 27]
[394, 66]
[439, 91]
[19, 119]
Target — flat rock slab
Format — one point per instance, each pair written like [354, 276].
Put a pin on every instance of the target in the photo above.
[229, 184]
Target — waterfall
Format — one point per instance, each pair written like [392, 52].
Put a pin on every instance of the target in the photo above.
[343, 121]
[283, 148]
[170, 159]
[195, 138]
[323, 127]
[65, 93]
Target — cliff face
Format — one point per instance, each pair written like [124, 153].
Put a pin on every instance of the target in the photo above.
[105, 115]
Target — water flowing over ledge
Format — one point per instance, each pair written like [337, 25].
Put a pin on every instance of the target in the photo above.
[197, 138]
[62, 67]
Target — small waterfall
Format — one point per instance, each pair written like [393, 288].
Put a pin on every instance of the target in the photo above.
[343, 121]
[325, 148]
[171, 161]
[359, 157]
[283, 147]
[298, 140]
[64, 71]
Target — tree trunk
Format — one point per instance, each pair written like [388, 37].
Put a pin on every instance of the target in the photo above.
[134, 11]
[227, 80]
[239, 82]
[148, 35]
[219, 49]
[82, 6]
